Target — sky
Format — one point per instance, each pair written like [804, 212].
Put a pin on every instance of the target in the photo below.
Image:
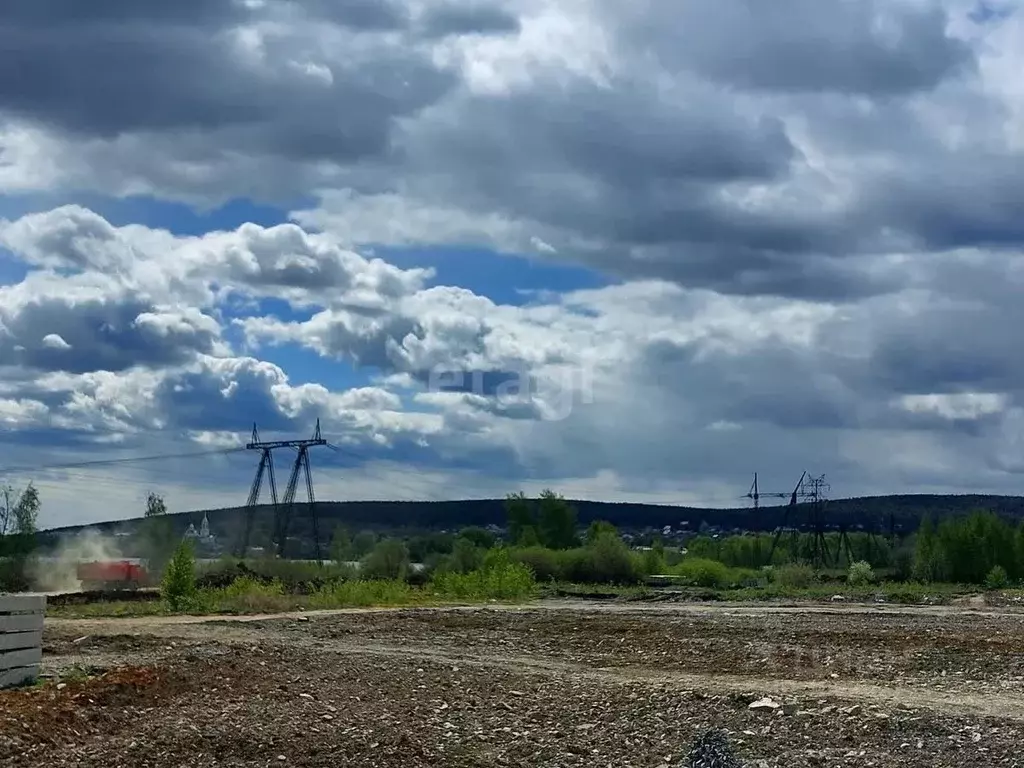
[624, 250]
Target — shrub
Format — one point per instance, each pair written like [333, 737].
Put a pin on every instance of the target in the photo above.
[498, 578]
[247, 594]
[389, 560]
[997, 578]
[179, 582]
[860, 574]
[701, 572]
[652, 562]
[362, 594]
[465, 557]
[903, 564]
[545, 564]
[794, 576]
[610, 560]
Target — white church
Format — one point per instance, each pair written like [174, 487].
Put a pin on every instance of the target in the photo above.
[203, 539]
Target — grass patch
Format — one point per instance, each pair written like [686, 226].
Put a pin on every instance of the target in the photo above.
[504, 580]
[366, 594]
[508, 581]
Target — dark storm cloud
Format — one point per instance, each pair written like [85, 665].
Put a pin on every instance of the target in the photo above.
[50, 14]
[975, 200]
[179, 71]
[743, 146]
[467, 19]
[628, 136]
[949, 350]
[370, 15]
[848, 46]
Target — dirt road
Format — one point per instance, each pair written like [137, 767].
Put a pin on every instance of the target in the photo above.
[554, 684]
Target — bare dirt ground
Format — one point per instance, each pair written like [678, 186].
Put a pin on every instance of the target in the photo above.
[557, 684]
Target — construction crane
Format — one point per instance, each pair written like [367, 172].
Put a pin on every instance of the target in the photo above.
[756, 495]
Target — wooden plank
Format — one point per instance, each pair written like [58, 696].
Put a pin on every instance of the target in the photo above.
[21, 622]
[18, 676]
[24, 658]
[15, 641]
[22, 603]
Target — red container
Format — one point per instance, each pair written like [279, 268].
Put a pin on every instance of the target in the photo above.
[111, 574]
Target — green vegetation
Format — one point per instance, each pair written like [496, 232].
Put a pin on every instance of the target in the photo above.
[860, 574]
[388, 560]
[19, 512]
[549, 521]
[966, 550]
[547, 552]
[178, 588]
[156, 538]
[497, 578]
[753, 550]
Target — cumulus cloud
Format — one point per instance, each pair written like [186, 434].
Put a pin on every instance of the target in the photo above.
[720, 145]
[813, 212]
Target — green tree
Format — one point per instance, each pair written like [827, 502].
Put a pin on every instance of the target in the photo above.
[178, 587]
[480, 537]
[520, 515]
[653, 561]
[388, 560]
[155, 505]
[528, 537]
[363, 543]
[19, 513]
[556, 521]
[599, 527]
[341, 544]
[928, 557]
[1018, 571]
[158, 540]
[465, 557]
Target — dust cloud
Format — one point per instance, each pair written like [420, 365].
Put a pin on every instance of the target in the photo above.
[57, 572]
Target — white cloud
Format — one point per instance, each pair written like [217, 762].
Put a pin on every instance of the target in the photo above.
[818, 251]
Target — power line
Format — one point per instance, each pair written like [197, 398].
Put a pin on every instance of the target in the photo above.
[123, 460]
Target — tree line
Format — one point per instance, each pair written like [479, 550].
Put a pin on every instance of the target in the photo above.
[981, 548]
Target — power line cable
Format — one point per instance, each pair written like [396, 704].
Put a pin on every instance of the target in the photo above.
[122, 460]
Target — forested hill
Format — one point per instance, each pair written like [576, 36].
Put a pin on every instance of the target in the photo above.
[873, 513]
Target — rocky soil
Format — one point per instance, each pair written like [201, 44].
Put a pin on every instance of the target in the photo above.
[537, 687]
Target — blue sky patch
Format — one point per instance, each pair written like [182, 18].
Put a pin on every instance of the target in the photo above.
[502, 277]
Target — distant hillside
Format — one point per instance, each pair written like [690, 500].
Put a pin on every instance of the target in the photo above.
[876, 513]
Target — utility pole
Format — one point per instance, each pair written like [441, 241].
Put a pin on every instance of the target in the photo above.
[283, 509]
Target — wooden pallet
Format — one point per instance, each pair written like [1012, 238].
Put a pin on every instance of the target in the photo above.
[21, 638]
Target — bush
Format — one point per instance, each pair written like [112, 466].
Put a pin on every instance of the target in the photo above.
[246, 594]
[701, 572]
[389, 560]
[860, 574]
[610, 560]
[997, 578]
[903, 564]
[498, 578]
[794, 576]
[545, 564]
[179, 583]
[465, 557]
[362, 594]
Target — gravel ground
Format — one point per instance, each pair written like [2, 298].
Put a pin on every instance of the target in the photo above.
[526, 688]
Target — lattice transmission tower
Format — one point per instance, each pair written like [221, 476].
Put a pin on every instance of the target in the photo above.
[283, 508]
